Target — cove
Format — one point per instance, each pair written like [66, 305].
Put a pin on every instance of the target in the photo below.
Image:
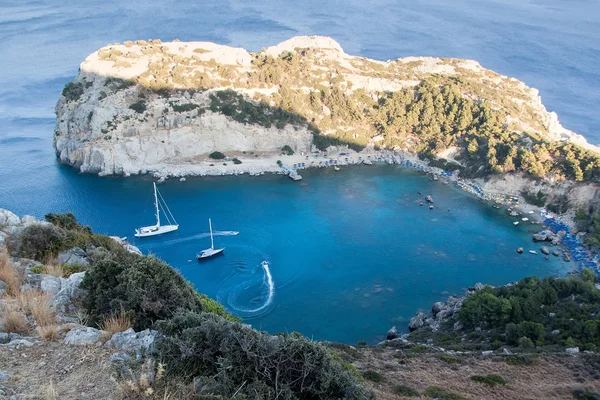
[351, 253]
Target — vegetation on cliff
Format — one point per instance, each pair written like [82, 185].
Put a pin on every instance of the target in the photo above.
[199, 340]
[551, 312]
[491, 119]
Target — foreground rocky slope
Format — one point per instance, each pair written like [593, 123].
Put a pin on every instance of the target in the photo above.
[70, 335]
[144, 106]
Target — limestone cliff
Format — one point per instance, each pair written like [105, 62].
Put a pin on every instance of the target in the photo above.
[147, 106]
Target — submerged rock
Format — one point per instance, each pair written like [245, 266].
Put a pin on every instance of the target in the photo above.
[556, 253]
[429, 199]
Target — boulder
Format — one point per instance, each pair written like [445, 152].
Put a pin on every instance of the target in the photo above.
[479, 286]
[3, 287]
[3, 376]
[392, 333]
[70, 286]
[74, 256]
[458, 326]
[437, 307]
[552, 315]
[28, 220]
[50, 284]
[572, 350]
[506, 351]
[555, 332]
[130, 341]
[514, 214]
[555, 252]
[545, 250]
[8, 219]
[18, 344]
[443, 315]
[83, 335]
[429, 199]
[3, 238]
[540, 236]
[416, 322]
[487, 353]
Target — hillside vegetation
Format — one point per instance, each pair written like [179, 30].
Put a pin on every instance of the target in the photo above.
[422, 105]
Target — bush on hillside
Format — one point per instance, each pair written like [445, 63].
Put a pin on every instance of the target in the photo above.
[66, 221]
[39, 242]
[287, 150]
[232, 358]
[73, 91]
[139, 106]
[144, 285]
[236, 161]
[217, 155]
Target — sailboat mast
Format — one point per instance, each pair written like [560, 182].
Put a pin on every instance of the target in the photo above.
[156, 204]
[212, 244]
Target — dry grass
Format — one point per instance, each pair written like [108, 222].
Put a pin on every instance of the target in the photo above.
[49, 391]
[13, 321]
[54, 270]
[48, 332]
[116, 323]
[37, 303]
[9, 273]
[141, 385]
[66, 328]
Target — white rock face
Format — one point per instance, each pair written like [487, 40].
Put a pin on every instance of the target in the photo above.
[99, 132]
[8, 218]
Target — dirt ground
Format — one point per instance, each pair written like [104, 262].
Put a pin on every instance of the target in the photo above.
[550, 377]
[51, 370]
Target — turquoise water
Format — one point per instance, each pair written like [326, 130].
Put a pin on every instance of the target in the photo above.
[351, 253]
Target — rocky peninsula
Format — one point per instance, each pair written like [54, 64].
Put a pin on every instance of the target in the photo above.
[149, 106]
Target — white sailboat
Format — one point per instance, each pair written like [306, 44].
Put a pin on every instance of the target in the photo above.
[158, 229]
[212, 251]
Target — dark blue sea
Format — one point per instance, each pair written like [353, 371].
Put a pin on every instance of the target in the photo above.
[351, 253]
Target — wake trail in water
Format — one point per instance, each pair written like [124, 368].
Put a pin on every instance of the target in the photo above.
[242, 288]
[199, 236]
[271, 290]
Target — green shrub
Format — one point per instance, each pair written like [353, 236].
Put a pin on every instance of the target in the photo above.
[287, 150]
[490, 380]
[405, 391]
[362, 343]
[217, 155]
[38, 269]
[279, 162]
[118, 83]
[228, 357]
[144, 285]
[236, 161]
[184, 107]
[40, 242]
[436, 392]
[73, 91]
[525, 343]
[70, 269]
[139, 106]
[373, 376]
[583, 394]
[212, 306]
[66, 221]
[447, 358]
[538, 199]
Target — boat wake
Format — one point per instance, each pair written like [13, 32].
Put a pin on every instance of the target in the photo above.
[250, 292]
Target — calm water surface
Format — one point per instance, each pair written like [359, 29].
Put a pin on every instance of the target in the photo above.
[351, 253]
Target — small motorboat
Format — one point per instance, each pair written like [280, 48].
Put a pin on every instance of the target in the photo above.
[206, 253]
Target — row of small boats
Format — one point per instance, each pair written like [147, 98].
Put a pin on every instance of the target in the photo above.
[172, 225]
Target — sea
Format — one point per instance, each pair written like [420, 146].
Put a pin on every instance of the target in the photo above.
[350, 253]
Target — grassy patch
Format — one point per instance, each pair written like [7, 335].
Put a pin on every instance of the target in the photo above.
[373, 376]
[403, 390]
[490, 380]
